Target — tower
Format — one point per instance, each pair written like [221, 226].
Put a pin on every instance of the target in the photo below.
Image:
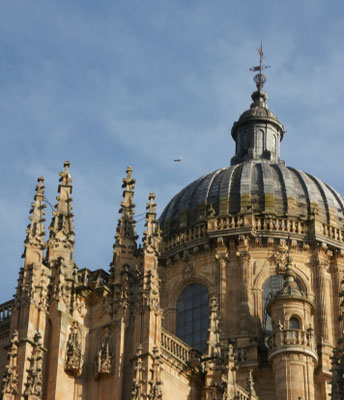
[292, 346]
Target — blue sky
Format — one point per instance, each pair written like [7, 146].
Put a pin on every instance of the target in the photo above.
[114, 83]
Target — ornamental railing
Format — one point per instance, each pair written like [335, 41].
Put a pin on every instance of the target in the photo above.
[230, 222]
[256, 223]
[176, 347]
[332, 232]
[292, 337]
[242, 394]
[6, 310]
[96, 278]
[184, 237]
[280, 225]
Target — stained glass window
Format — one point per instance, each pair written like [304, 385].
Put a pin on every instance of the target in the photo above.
[193, 315]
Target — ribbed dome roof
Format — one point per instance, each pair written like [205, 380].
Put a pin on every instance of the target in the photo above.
[253, 186]
[258, 181]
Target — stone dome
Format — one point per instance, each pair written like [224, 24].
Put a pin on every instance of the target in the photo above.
[260, 187]
[258, 181]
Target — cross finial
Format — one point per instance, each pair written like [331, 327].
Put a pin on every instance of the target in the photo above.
[65, 177]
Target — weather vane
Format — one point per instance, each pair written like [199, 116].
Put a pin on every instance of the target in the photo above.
[260, 78]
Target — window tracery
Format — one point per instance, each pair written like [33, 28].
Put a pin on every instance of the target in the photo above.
[192, 315]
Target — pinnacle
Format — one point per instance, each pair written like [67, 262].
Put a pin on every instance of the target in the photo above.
[152, 233]
[126, 222]
[61, 227]
[128, 182]
[65, 177]
[39, 186]
[35, 230]
[151, 206]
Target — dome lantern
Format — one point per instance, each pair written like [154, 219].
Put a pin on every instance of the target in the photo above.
[258, 132]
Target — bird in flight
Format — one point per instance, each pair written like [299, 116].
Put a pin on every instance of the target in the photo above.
[178, 159]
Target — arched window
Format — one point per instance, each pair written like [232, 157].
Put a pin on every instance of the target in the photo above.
[193, 315]
[294, 323]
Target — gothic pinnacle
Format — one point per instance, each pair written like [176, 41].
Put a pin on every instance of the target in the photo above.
[126, 222]
[214, 331]
[35, 230]
[61, 227]
[65, 177]
[152, 233]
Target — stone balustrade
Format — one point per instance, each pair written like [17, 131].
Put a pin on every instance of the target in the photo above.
[89, 278]
[6, 310]
[332, 232]
[176, 347]
[230, 222]
[292, 340]
[189, 235]
[280, 225]
[242, 394]
[265, 224]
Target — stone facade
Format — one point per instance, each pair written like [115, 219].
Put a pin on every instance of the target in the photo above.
[76, 334]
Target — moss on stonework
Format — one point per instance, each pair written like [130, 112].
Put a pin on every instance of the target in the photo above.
[269, 200]
[245, 200]
[223, 206]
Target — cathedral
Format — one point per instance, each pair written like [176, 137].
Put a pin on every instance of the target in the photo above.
[233, 294]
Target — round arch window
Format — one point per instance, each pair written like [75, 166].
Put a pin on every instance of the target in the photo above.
[193, 315]
[294, 323]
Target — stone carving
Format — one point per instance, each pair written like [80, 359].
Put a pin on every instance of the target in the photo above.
[137, 386]
[250, 383]
[152, 234]
[188, 269]
[61, 287]
[10, 381]
[104, 357]
[155, 379]
[73, 364]
[35, 231]
[34, 380]
[126, 223]
[121, 289]
[214, 350]
[282, 258]
[148, 297]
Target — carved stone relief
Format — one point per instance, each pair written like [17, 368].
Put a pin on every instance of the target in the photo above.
[34, 381]
[73, 365]
[105, 355]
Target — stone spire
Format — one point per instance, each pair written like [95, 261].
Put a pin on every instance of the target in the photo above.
[123, 265]
[126, 222]
[35, 232]
[61, 227]
[152, 234]
[149, 286]
[258, 132]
